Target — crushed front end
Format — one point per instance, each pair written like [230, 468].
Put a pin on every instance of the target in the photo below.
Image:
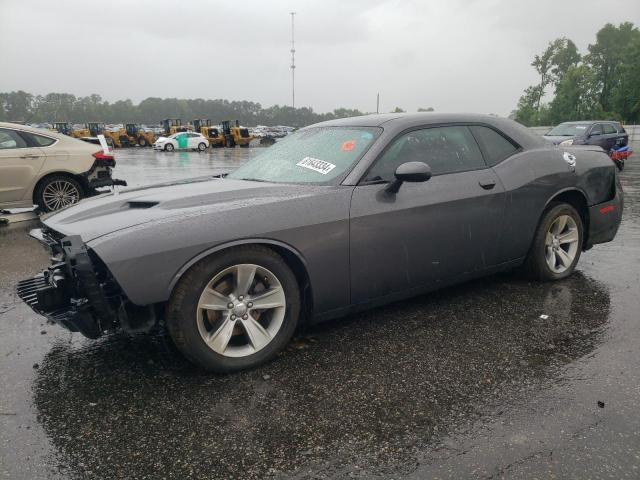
[78, 292]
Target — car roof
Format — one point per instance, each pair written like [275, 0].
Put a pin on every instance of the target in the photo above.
[26, 128]
[397, 122]
[408, 119]
[588, 122]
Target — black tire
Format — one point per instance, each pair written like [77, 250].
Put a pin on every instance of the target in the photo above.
[182, 308]
[244, 145]
[169, 147]
[39, 193]
[202, 146]
[535, 265]
[142, 142]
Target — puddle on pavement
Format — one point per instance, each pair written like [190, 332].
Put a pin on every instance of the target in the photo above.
[374, 386]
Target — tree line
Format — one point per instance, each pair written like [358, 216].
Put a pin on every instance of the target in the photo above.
[25, 107]
[602, 84]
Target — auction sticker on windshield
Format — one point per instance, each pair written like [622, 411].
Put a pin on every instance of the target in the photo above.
[316, 165]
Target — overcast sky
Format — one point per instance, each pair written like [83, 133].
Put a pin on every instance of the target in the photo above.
[453, 55]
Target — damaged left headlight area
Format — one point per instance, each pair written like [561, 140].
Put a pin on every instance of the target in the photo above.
[78, 292]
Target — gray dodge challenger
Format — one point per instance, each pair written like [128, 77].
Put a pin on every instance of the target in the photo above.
[338, 217]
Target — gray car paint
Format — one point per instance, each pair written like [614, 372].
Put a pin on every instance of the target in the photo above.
[356, 243]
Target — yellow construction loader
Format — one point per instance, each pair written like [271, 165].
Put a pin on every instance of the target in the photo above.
[80, 132]
[95, 129]
[172, 125]
[132, 135]
[62, 127]
[235, 135]
[213, 134]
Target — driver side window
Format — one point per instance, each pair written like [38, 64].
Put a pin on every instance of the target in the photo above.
[444, 149]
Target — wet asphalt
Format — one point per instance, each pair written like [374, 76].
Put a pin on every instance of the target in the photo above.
[498, 378]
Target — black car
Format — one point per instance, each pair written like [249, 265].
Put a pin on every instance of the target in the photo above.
[606, 134]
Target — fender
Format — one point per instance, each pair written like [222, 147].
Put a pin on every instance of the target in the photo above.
[564, 190]
[234, 243]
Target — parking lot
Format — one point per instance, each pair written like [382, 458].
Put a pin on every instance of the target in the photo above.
[500, 377]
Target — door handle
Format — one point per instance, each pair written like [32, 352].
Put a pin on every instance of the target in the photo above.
[487, 184]
[30, 156]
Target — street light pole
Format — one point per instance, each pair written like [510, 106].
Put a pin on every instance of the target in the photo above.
[293, 63]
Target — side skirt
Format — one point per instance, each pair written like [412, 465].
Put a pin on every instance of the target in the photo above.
[413, 292]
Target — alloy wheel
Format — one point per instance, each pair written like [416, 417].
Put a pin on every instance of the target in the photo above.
[59, 194]
[241, 310]
[561, 243]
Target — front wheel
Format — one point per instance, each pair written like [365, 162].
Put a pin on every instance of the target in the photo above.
[557, 244]
[202, 146]
[235, 310]
[169, 147]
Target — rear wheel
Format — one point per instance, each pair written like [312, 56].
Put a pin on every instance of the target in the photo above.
[234, 310]
[56, 192]
[142, 142]
[557, 244]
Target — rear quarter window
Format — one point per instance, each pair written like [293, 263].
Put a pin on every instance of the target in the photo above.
[37, 140]
[495, 146]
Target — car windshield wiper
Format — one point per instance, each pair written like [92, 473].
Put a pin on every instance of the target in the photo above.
[254, 180]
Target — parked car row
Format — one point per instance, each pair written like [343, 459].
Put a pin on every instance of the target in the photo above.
[278, 131]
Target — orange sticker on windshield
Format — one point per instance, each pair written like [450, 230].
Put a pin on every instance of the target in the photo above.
[348, 145]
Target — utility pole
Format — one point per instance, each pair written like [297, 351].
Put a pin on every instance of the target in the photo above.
[378, 103]
[293, 64]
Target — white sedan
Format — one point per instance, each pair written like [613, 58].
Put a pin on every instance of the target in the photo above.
[182, 141]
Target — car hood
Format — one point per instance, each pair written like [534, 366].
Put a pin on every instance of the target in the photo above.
[99, 216]
[557, 139]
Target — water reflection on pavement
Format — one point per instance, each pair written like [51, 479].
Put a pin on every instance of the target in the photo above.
[143, 166]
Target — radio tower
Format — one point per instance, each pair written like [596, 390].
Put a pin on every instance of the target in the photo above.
[293, 65]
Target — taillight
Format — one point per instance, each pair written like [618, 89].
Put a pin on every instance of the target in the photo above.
[105, 159]
[100, 155]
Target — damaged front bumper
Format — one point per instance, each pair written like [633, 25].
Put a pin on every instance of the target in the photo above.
[77, 291]
[69, 292]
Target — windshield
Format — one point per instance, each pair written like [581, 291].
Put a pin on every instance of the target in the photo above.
[570, 129]
[314, 155]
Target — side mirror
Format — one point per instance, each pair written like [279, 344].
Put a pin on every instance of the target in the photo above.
[409, 172]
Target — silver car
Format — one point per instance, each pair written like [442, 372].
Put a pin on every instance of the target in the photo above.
[48, 169]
